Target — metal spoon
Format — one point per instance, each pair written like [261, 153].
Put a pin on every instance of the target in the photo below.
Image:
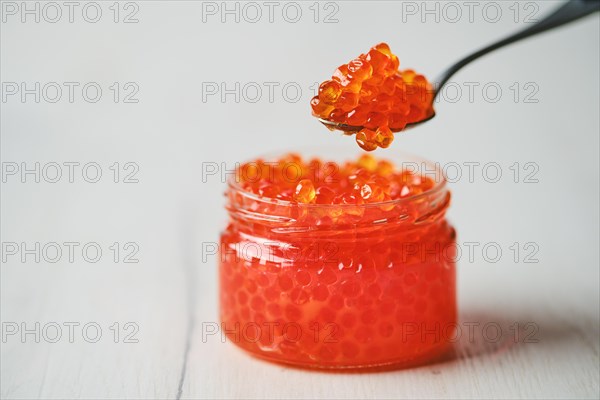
[571, 11]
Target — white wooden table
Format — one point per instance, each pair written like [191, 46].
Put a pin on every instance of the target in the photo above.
[155, 315]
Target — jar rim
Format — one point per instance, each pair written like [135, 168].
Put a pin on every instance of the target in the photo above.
[439, 185]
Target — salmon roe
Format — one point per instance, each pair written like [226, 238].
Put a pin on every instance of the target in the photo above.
[338, 265]
[365, 180]
[371, 92]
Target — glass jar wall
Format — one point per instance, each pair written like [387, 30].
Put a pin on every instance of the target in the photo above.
[340, 286]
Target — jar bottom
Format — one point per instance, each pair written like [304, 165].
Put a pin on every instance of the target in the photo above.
[442, 352]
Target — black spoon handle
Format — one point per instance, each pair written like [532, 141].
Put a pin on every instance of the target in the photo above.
[571, 11]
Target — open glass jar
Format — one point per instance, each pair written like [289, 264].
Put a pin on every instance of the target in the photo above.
[373, 289]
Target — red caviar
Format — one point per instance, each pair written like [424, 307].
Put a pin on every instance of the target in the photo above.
[338, 265]
[292, 179]
[371, 92]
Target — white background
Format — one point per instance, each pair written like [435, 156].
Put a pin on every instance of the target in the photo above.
[171, 131]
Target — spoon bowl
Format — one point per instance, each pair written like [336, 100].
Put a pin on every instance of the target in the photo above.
[351, 129]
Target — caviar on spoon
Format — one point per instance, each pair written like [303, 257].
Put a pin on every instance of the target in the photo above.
[371, 98]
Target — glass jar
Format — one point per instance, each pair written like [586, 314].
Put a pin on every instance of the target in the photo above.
[368, 292]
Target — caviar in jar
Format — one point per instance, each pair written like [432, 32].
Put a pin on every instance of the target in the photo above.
[338, 265]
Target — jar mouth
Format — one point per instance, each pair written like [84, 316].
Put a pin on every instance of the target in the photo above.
[417, 164]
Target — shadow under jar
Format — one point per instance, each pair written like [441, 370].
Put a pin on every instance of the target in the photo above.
[373, 289]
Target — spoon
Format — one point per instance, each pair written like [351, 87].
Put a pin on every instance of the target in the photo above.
[569, 12]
